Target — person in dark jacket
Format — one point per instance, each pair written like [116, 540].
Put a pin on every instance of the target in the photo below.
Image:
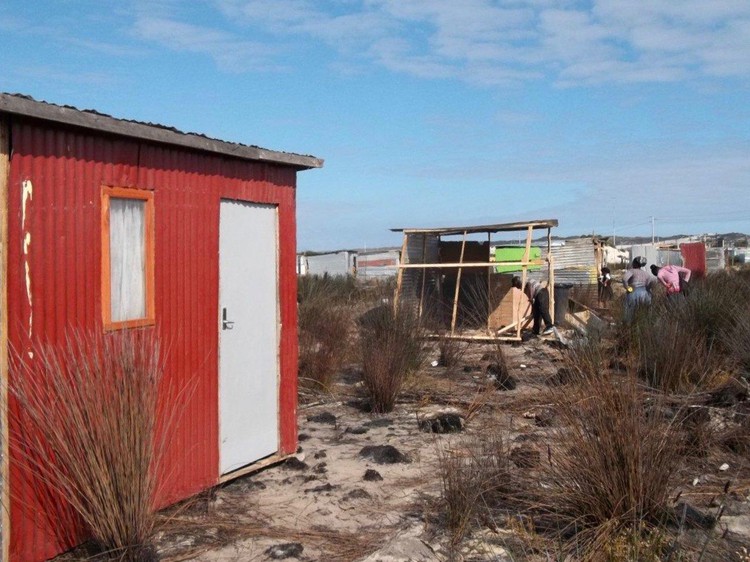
[539, 297]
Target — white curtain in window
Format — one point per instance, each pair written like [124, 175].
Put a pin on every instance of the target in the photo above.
[127, 250]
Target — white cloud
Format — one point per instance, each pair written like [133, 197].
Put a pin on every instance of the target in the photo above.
[494, 41]
[230, 52]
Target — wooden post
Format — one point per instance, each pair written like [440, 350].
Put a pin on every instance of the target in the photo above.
[550, 276]
[489, 281]
[458, 285]
[400, 276]
[524, 269]
[424, 273]
[4, 446]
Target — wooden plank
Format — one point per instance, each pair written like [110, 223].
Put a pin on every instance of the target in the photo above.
[489, 282]
[504, 227]
[145, 131]
[469, 337]
[255, 467]
[456, 265]
[524, 268]
[4, 360]
[400, 276]
[523, 322]
[458, 286]
[550, 276]
[424, 274]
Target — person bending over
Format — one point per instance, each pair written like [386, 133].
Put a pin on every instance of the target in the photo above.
[673, 277]
[539, 297]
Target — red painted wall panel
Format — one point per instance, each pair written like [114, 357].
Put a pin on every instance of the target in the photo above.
[67, 169]
[694, 256]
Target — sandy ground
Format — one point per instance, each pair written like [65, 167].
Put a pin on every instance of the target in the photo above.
[333, 503]
[323, 501]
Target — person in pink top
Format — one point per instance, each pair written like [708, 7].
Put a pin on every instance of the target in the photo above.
[670, 275]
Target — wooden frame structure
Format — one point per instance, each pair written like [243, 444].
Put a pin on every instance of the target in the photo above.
[464, 232]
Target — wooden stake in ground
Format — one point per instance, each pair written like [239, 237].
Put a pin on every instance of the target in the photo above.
[458, 286]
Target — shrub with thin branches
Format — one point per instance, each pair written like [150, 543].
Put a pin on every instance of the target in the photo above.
[85, 429]
[391, 350]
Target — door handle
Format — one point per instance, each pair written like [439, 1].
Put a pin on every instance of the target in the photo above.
[225, 324]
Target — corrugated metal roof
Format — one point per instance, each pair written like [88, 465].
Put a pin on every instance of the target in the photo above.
[27, 106]
[505, 227]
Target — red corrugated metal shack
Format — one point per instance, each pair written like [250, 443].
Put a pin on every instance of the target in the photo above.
[217, 250]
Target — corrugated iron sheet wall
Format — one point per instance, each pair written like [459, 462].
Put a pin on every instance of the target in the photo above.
[335, 264]
[56, 176]
[578, 254]
[420, 248]
[377, 265]
[694, 257]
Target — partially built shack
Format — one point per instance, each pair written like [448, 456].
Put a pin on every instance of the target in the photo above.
[451, 276]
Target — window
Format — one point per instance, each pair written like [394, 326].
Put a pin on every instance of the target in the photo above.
[127, 258]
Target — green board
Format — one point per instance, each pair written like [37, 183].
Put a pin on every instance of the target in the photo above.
[515, 253]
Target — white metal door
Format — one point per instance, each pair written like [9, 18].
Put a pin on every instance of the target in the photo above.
[249, 328]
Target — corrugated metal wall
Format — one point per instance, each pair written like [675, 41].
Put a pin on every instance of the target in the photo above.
[420, 248]
[54, 234]
[655, 254]
[694, 257]
[377, 265]
[337, 263]
[715, 259]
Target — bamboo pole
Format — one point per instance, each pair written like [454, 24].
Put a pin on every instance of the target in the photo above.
[458, 286]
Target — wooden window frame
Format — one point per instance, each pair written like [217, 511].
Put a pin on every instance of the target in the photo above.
[142, 195]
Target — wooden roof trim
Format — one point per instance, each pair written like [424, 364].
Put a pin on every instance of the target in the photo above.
[505, 227]
[28, 107]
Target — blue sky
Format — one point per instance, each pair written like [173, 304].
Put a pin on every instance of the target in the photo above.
[600, 113]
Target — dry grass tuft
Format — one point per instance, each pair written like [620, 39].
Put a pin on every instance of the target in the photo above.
[86, 430]
[608, 481]
[323, 340]
[452, 350]
[681, 345]
[391, 350]
[476, 480]
[671, 357]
